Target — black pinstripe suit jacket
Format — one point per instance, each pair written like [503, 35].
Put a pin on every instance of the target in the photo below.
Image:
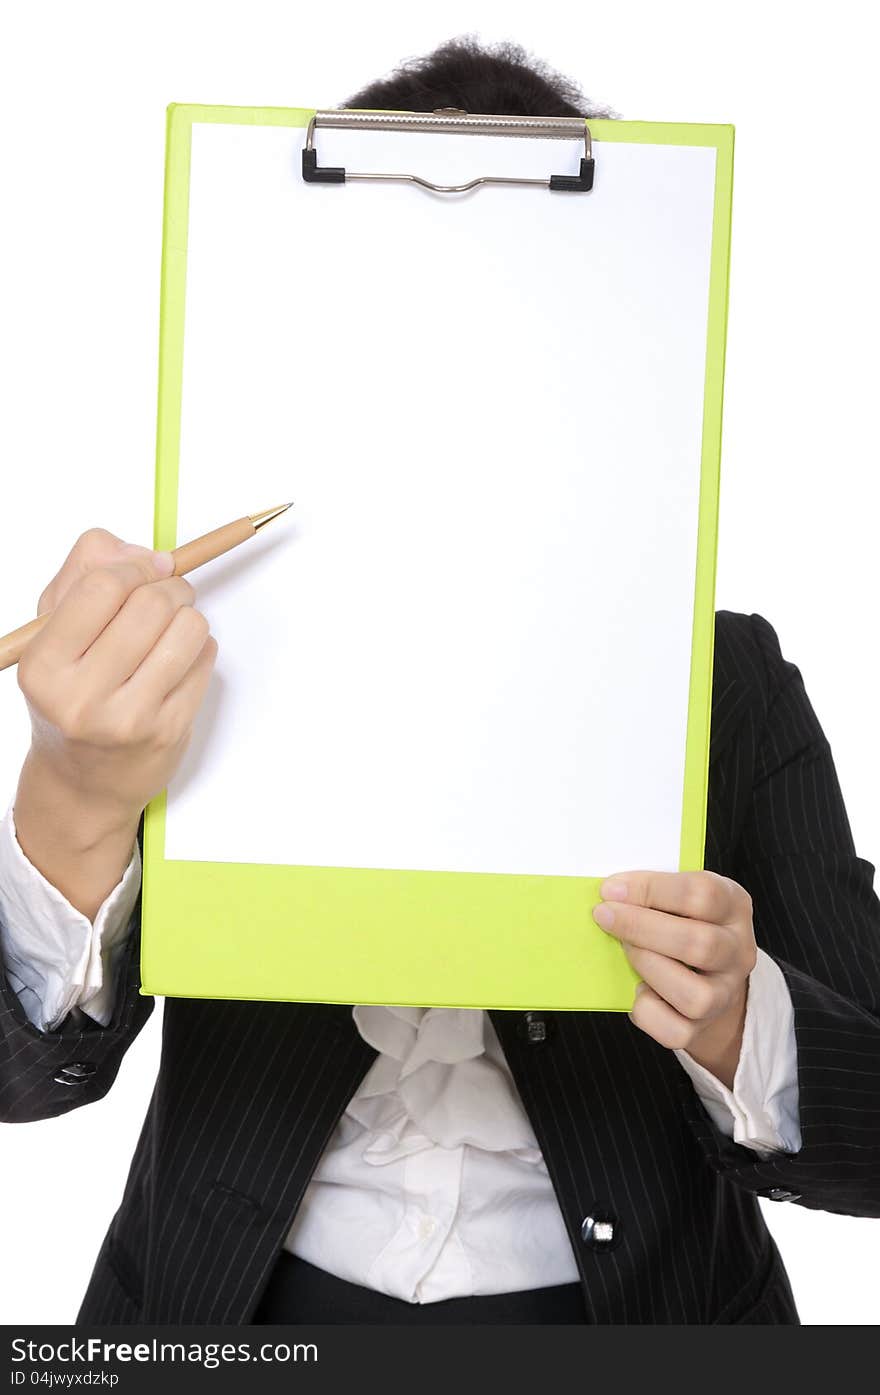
[248, 1094]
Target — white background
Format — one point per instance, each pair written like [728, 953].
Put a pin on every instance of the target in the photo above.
[79, 260]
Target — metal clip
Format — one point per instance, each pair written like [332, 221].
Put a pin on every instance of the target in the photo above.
[449, 120]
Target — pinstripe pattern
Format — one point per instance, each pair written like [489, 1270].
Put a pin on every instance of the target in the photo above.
[248, 1094]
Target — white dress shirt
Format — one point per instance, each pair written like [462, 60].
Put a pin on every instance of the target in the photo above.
[433, 1185]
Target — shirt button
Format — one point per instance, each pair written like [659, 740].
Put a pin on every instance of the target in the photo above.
[427, 1226]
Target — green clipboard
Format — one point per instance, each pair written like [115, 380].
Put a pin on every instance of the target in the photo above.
[250, 930]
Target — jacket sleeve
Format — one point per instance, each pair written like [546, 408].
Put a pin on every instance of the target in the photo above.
[45, 1073]
[816, 914]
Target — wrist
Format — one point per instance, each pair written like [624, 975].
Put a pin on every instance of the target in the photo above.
[60, 801]
[79, 844]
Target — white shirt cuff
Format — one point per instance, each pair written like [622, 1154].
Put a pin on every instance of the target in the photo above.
[761, 1111]
[55, 957]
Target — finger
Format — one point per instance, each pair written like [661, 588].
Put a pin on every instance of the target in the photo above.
[168, 661]
[94, 548]
[653, 1015]
[699, 997]
[696, 895]
[88, 607]
[123, 644]
[183, 702]
[694, 942]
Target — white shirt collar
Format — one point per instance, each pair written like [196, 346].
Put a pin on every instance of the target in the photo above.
[440, 1078]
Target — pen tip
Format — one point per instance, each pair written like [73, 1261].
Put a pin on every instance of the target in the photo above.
[259, 520]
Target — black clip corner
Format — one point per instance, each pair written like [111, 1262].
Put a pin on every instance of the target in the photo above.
[331, 174]
[575, 183]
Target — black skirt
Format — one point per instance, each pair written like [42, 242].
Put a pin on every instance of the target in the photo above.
[299, 1292]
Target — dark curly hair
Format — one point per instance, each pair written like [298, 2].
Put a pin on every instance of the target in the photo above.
[492, 79]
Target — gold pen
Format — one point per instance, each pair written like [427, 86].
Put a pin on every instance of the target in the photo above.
[186, 558]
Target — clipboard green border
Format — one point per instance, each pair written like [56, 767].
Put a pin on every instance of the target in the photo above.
[198, 916]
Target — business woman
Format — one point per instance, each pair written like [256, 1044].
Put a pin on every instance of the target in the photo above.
[353, 1164]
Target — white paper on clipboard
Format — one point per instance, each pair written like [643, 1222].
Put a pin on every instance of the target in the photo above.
[469, 649]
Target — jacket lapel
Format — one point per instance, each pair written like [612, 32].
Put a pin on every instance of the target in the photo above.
[231, 1202]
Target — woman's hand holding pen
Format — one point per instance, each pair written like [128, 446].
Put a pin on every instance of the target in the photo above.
[113, 683]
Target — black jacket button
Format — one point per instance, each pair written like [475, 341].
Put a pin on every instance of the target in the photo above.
[76, 1073]
[535, 1028]
[600, 1230]
[780, 1194]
